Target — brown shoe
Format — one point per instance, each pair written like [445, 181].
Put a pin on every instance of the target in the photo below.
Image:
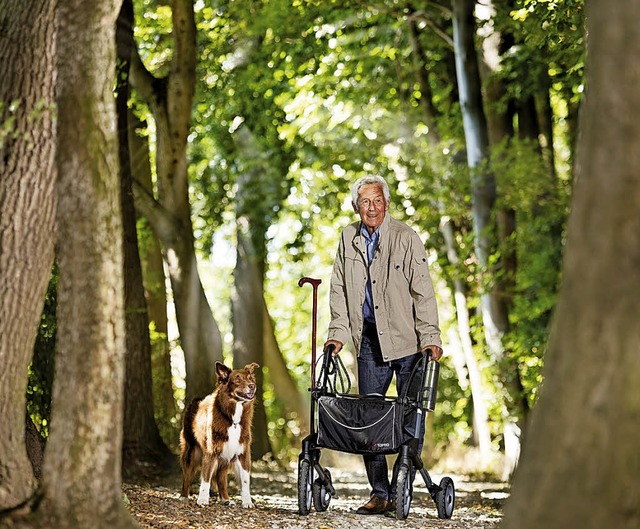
[375, 505]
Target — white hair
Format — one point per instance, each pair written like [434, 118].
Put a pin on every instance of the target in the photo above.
[369, 180]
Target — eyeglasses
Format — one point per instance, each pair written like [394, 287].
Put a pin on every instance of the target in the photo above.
[366, 202]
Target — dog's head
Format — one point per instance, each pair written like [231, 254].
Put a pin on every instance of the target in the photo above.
[240, 384]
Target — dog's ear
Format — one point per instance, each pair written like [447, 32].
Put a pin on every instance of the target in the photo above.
[250, 368]
[222, 372]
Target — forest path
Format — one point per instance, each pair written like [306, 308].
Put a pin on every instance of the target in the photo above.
[478, 505]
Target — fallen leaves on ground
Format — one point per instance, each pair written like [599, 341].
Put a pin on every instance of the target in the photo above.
[478, 505]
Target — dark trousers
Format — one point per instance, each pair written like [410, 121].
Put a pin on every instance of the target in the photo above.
[374, 376]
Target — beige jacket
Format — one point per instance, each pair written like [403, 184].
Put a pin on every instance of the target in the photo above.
[403, 297]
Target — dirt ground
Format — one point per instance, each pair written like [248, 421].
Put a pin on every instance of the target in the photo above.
[274, 491]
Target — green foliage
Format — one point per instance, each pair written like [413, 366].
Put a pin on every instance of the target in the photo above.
[453, 415]
[328, 92]
[8, 120]
[237, 89]
[153, 36]
[547, 41]
[40, 378]
[541, 204]
[283, 427]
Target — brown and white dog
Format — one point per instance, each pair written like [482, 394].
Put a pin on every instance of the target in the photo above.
[216, 433]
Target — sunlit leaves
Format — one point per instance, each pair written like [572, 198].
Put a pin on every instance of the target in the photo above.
[329, 91]
[549, 37]
[153, 34]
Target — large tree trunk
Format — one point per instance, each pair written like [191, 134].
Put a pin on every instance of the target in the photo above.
[144, 452]
[582, 442]
[27, 218]
[169, 212]
[81, 478]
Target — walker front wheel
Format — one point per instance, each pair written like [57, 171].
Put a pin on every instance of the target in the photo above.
[403, 492]
[321, 492]
[445, 498]
[305, 478]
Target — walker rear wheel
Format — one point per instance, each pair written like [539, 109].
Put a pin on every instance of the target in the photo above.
[445, 498]
[305, 478]
[403, 492]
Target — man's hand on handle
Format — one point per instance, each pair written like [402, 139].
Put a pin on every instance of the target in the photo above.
[336, 344]
[436, 351]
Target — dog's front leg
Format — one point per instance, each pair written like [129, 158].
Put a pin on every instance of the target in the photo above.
[243, 475]
[208, 469]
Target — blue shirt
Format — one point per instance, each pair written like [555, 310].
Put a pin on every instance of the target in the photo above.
[372, 243]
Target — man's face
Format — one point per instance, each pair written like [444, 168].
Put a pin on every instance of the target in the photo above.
[372, 206]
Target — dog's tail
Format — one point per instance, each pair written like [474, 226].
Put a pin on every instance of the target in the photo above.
[188, 440]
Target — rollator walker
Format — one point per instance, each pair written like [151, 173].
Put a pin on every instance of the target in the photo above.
[367, 424]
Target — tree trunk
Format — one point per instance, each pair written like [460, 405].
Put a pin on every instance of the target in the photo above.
[169, 213]
[144, 452]
[428, 109]
[248, 305]
[582, 442]
[247, 313]
[81, 477]
[500, 127]
[477, 144]
[35, 445]
[545, 119]
[153, 275]
[247, 298]
[27, 219]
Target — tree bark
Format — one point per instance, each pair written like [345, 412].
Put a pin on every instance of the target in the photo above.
[429, 111]
[153, 276]
[477, 143]
[545, 119]
[247, 315]
[81, 477]
[27, 218]
[582, 442]
[169, 211]
[144, 451]
[247, 297]
[35, 445]
[500, 113]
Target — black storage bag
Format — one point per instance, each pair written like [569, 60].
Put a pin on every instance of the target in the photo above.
[363, 424]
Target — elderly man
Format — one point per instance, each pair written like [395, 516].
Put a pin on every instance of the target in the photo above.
[382, 298]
